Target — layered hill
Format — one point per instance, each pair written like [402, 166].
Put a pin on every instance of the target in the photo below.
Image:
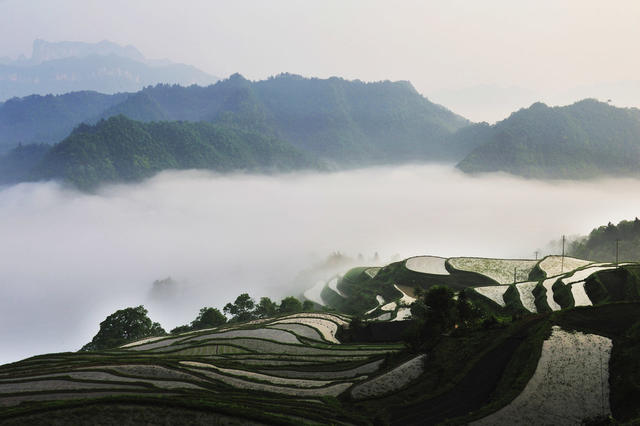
[49, 119]
[344, 121]
[18, 164]
[106, 67]
[122, 150]
[583, 140]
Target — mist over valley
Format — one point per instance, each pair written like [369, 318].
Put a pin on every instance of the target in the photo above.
[352, 213]
[70, 258]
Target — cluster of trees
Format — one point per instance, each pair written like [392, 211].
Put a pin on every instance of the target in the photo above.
[123, 326]
[131, 324]
[243, 309]
[600, 244]
[437, 313]
[207, 318]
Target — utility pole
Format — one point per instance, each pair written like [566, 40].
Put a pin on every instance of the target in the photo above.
[617, 251]
[536, 252]
[514, 275]
[562, 262]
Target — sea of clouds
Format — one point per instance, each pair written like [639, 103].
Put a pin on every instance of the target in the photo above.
[68, 259]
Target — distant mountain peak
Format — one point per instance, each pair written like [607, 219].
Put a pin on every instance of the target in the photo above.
[106, 67]
[46, 51]
[237, 78]
[538, 105]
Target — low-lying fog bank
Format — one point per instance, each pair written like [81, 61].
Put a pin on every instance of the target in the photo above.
[69, 259]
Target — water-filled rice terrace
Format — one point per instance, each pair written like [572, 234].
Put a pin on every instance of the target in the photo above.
[569, 335]
[244, 369]
[503, 286]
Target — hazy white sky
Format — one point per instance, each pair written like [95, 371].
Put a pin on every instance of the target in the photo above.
[437, 45]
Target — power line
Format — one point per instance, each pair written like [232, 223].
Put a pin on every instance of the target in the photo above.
[562, 261]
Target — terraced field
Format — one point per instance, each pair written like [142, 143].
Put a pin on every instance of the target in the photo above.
[500, 270]
[557, 265]
[234, 369]
[571, 383]
[427, 265]
[573, 288]
[569, 352]
[505, 286]
[494, 293]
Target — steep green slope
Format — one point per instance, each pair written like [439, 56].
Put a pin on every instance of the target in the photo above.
[123, 150]
[375, 121]
[583, 140]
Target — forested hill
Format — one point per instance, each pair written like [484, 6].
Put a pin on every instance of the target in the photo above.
[347, 122]
[49, 119]
[600, 244]
[583, 140]
[122, 150]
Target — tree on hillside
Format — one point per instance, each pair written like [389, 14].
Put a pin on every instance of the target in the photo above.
[290, 305]
[242, 309]
[180, 329]
[437, 313]
[208, 318]
[467, 312]
[307, 305]
[266, 308]
[124, 326]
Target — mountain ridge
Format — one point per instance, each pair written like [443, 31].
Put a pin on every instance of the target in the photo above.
[123, 150]
[583, 140]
